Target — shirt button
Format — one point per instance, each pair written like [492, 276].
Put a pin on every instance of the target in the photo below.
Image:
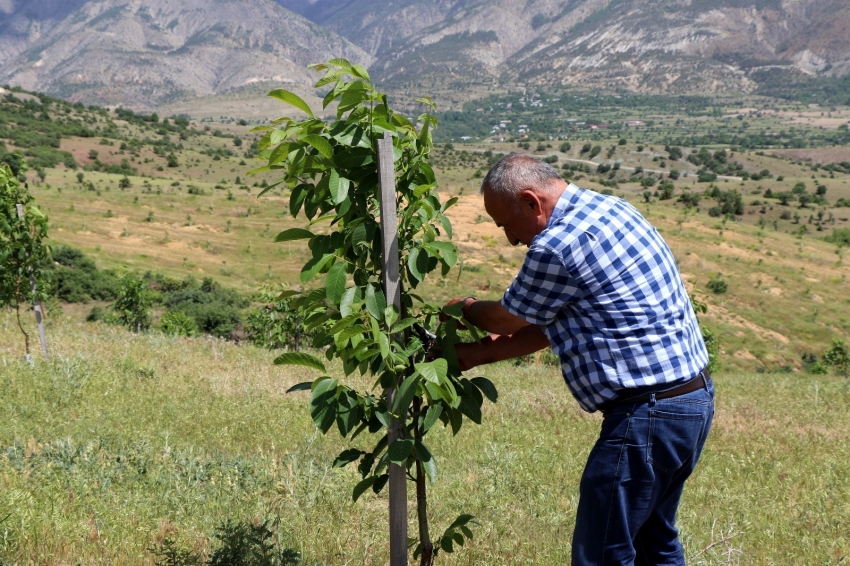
[628, 414]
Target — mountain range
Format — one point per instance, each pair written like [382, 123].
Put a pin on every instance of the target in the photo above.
[141, 53]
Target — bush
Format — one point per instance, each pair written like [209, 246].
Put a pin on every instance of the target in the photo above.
[247, 544]
[276, 325]
[76, 278]
[216, 310]
[840, 236]
[178, 323]
[717, 285]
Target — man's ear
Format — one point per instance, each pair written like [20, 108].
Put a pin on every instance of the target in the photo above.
[530, 199]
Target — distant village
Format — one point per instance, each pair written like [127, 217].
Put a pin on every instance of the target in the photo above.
[507, 127]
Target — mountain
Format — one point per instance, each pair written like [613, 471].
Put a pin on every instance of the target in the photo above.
[145, 53]
[637, 45]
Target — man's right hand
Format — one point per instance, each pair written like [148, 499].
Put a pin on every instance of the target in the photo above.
[444, 318]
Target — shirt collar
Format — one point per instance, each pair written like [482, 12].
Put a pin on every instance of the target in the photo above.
[564, 203]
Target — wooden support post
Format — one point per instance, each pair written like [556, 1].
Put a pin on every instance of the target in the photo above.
[392, 290]
[36, 304]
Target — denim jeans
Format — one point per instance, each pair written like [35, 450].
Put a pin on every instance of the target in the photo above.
[633, 481]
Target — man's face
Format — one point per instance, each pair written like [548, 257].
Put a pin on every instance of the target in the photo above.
[521, 219]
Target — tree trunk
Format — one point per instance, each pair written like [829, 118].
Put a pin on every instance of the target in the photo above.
[427, 556]
[21, 326]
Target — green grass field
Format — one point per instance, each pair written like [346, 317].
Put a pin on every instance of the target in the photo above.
[122, 440]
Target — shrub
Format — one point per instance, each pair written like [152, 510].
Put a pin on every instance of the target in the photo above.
[76, 278]
[717, 285]
[178, 323]
[840, 236]
[247, 544]
[216, 310]
[277, 324]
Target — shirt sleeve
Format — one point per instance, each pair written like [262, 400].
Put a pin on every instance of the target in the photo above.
[542, 287]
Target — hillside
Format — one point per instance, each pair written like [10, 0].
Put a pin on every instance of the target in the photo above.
[637, 45]
[144, 54]
[770, 224]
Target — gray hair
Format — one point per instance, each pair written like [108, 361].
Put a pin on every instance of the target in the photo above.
[517, 172]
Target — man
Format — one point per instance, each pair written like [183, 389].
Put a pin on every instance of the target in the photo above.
[600, 286]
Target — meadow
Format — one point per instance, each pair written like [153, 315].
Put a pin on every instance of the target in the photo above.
[122, 441]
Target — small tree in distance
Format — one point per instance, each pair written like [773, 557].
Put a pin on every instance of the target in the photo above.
[23, 252]
[134, 303]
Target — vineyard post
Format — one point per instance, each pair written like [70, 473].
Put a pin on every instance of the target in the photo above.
[35, 302]
[392, 290]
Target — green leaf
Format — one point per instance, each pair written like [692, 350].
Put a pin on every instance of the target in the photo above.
[486, 387]
[347, 456]
[361, 487]
[435, 371]
[344, 323]
[384, 345]
[348, 412]
[428, 461]
[323, 403]
[470, 401]
[380, 483]
[338, 186]
[292, 99]
[375, 302]
[400, 450]
[320, 143]
[340, 62]
[461, 520]
[294, 234]
[360, 72]
[335, 282]
[300, 359]
[314, 266]
[447, 251]
[446, 224]
[405, 393]
[431, 416]
[348, 299]
[303, 386]
[296, 199]
[412, 265]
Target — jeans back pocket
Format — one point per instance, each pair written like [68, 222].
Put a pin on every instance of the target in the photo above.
[673, 438]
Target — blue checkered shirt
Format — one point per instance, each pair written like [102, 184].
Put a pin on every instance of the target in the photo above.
[605, 288]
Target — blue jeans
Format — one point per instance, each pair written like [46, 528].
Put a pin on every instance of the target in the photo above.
[633, 481]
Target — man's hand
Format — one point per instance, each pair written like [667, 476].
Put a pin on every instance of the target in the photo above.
[495, 348]
[490, 316]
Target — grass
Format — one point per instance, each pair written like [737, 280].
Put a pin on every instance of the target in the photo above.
[121, 440]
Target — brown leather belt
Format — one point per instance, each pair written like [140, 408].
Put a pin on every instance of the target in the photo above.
[691, 385]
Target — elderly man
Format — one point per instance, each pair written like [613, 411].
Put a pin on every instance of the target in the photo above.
[600, 286]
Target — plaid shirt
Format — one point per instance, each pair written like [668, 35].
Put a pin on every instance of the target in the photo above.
[605, 288]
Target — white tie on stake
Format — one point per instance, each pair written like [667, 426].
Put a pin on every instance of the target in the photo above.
[36, 304]
[392, 290]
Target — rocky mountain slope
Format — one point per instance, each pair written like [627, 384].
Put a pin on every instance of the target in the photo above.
[642, 45]
[142, 53]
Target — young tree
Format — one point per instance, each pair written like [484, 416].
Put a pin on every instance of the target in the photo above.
[331, 169]
[23, 252]
[134, 303]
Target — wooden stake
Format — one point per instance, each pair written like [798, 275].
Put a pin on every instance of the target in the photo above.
[36, 305]
[392, 290]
